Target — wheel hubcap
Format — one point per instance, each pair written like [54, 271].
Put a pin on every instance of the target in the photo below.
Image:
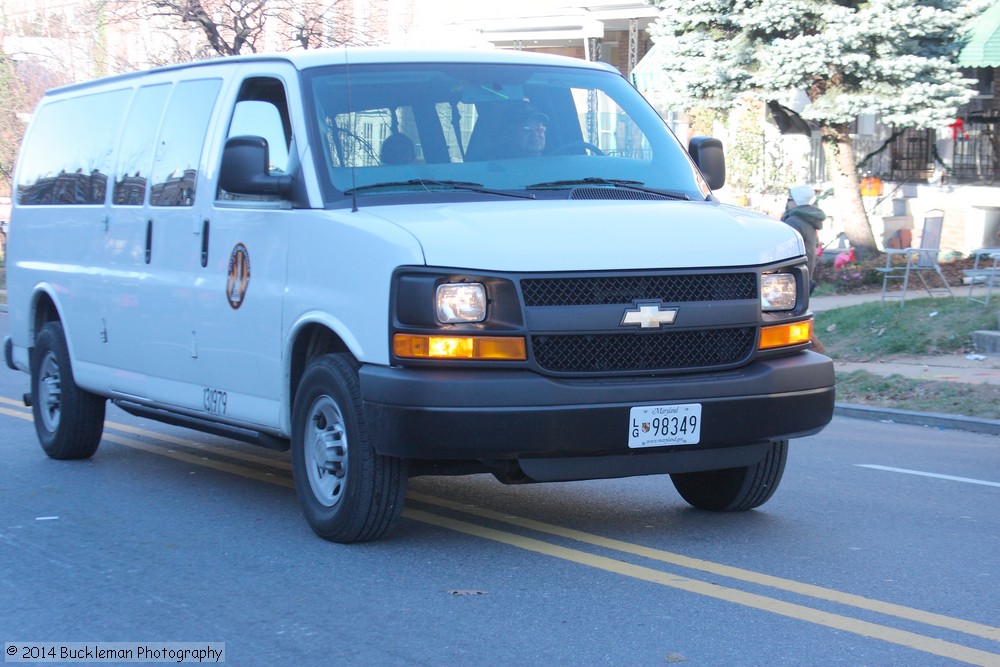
[326, 451]
[49, 392]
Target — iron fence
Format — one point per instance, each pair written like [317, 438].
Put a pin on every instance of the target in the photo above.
[977, 149]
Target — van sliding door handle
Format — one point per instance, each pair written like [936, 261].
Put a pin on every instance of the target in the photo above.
[204, 243]
[149, 240]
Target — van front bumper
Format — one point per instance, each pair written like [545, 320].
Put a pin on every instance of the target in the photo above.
[503, 415]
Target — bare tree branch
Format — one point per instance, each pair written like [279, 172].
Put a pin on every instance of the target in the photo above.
[230, 27]
[314, 24]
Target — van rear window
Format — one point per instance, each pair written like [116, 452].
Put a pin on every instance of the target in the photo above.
[68, 154]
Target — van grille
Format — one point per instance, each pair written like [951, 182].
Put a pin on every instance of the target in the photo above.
[596, 291]
[724, 341]
[630, 352]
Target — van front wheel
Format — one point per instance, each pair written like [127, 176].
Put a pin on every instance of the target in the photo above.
[349, 493]
[68, 420]
[734, 489]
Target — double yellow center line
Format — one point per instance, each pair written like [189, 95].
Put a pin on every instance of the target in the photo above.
[277, 471]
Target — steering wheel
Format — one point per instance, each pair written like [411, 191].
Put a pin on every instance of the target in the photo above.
[575, 146]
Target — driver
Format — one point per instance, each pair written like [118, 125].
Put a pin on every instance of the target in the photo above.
[529, 133]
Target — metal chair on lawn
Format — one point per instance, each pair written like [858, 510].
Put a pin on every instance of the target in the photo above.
[918, 260]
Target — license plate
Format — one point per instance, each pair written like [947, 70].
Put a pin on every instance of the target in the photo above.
[664, 425]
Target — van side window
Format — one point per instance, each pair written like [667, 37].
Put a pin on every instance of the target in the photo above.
[67, 157]
[261, 110]
[262, 119]
[135, 152]
[178, 148]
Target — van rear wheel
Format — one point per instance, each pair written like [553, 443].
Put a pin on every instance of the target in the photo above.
[349, 493]
[69, 421]
[734, 489]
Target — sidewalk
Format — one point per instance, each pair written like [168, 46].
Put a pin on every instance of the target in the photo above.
[974, 369]
[819, 304]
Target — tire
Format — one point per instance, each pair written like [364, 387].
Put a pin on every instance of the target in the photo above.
[69, 421]
[734, 489]
[349, 493]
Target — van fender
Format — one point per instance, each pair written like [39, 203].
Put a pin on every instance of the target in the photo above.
[43, 306]
[312, 333]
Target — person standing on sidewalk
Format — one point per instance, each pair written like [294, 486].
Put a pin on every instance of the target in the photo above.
[806, 218]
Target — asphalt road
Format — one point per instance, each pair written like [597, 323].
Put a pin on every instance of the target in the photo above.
[167, 535]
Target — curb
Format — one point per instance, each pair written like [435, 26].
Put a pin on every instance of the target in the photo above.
[929, 419]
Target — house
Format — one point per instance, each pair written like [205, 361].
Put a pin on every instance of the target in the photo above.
[955, 167]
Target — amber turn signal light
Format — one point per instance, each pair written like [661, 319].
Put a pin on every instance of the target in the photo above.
[492, 348]
[783, 335]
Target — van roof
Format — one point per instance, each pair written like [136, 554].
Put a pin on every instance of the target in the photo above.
[361, 55]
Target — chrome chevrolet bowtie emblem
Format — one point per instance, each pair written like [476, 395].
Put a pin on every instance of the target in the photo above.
[650, 316]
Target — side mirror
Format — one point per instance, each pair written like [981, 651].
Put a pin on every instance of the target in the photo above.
[707, 153]
[244, 169]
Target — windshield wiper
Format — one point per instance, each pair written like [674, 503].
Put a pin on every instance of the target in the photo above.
[453, 185]
[618, 183]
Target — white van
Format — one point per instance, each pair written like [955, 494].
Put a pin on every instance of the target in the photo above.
[400, 263]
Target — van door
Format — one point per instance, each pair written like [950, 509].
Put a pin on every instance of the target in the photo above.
[155, 222]
[243, 256]
[129, 310]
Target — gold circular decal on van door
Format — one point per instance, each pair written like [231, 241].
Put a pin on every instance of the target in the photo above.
[239, 276]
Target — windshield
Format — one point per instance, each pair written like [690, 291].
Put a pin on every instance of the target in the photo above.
[489, 128]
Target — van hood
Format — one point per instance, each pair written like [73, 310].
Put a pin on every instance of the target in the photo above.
[574, 235]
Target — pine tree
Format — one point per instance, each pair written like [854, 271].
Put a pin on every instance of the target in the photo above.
[895, 58]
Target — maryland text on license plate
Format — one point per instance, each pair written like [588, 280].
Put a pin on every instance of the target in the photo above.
[664, 425]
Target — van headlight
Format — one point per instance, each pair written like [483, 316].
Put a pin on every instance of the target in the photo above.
[778, 291]
[460, 302]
